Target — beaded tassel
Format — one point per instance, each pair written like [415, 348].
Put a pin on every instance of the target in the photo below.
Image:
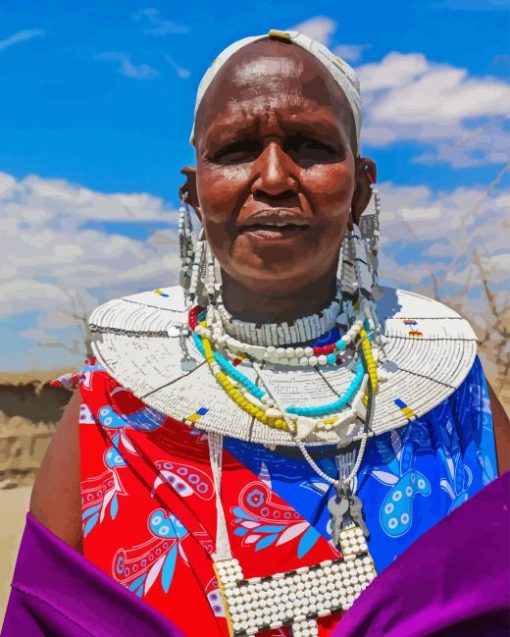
[186, 247]
[196, 280]
[212, 288]
[348, 282]
[362, 264]
[370, 229]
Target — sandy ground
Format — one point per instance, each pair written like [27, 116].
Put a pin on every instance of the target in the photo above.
[13, 507]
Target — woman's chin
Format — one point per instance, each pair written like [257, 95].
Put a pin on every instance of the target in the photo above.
[274, 250]
[277, 280]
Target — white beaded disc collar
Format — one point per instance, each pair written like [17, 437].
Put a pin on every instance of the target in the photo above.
[139, 339]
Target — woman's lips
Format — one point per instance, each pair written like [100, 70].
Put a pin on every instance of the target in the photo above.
[273, 231]
[274, 223]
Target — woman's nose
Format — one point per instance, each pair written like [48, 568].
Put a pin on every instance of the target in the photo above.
[274, 171]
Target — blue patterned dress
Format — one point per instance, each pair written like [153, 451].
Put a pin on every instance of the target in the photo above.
[409, 478]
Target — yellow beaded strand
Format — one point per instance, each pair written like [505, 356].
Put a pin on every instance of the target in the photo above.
[234, 393]
[371, 364]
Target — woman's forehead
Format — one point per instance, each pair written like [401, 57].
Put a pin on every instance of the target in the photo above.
[269, 74]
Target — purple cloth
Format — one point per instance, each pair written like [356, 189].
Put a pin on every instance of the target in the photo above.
[453, 581]
[56, 592]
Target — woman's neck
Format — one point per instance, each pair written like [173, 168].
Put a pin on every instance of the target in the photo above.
[277, 305]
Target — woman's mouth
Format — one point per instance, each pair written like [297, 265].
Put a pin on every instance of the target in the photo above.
[273, 231]
[274, 224]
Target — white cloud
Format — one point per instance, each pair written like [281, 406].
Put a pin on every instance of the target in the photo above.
[487, 144]
[351, 52]
[180, 71]
[20, 36]
[126, 66]
[393, 71]
[456, 118]
[157, 26]
[37, 201]
[321, 28]
[56, 260]
[24, 295]
[430, 242]
[433, 93]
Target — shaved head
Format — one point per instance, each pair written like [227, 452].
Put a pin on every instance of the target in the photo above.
[257, 72]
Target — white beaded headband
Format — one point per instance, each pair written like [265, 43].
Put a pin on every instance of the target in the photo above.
[343, 74]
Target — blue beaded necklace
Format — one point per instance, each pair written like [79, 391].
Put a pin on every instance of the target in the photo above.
[315, 411]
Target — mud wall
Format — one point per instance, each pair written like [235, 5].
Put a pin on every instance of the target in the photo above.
[28, 415]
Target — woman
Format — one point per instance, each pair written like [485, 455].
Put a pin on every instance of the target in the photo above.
[257, 444]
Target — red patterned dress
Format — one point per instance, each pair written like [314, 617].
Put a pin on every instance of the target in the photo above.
[149, 513]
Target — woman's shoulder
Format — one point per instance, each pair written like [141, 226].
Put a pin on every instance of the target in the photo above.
[56, 497]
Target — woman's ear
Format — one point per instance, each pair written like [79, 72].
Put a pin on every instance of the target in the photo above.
[189, 188]
[366, 174]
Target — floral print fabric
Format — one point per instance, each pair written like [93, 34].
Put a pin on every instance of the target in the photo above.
[148, 501]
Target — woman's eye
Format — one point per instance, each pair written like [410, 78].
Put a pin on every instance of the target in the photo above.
[305, 150]
[238, 152]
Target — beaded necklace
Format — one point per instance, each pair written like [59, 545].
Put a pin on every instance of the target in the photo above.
[301, 330]
[256, 402]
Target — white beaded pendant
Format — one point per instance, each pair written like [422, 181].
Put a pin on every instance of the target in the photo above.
[296, 598]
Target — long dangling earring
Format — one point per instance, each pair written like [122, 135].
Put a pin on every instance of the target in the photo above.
[198, 273]
[358, 271]
[195, 292]
[370, 230]
[192, 253]
[212, 287]
[347, 281]
[347, 274]
[186, 247]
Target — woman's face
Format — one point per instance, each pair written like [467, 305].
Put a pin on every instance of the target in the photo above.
[276, 171]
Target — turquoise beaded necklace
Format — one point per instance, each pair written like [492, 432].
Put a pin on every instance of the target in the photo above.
[315, 411]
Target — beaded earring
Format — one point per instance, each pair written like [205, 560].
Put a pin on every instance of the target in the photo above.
[211, 276]
[358, 263]
[369, 226]
[196, 287]
[194, 258]
[203, 288]
[186, 246]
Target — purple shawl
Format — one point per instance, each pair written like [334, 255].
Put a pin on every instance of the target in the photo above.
[454, 580]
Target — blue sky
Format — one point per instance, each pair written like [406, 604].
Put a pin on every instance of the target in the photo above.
[99, 95]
